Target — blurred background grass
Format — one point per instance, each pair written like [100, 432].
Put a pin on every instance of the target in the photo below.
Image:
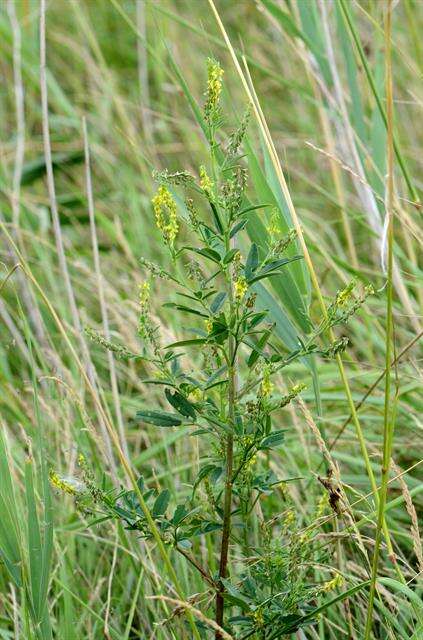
[114, 63]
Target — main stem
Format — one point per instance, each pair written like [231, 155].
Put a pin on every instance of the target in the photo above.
[227, 507]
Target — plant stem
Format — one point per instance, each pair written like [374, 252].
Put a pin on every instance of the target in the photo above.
[388, 417]
[224, 548]
[227, 506]
[205, 574]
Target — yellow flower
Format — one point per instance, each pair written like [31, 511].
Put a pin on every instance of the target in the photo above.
[165, 211]
[296, 389]
[267, 385]
[258, 617]
[209, 325]
[289, 518]
[343, 297]
[144, 296]
[240, 286]
[214, 88]
[330, 585]
[67, 485]
[195, 396]
[206, 182]
[251, 462]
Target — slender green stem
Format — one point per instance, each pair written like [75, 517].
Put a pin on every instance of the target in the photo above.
[388, 415]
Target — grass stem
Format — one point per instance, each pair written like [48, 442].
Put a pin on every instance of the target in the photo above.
[388, 414]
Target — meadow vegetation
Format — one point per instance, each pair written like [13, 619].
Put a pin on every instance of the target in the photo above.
[210, 309]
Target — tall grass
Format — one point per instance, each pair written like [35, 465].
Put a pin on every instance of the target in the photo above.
[96, 95]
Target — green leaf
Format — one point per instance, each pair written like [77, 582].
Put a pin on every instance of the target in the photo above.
[240, 225]
[405, 590]
[230, 256]
[252, 261]
[184, 343]
[10, 552]
[185, 309]
[203, 473]
[290, 289]
[235, 596]
[214, 376]
[216, 217]
[180, 403]
[285, 20]
[207, 253]
[180, 513]
[273, 440]
[35, 546]
[217, 302]
[185, 543]
[258, 348]
[161, 503]
[257, 318]
[159, 418]
[275, 264]
[267, 273]
[254, 207]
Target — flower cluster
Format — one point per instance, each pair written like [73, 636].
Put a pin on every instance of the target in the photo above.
[93, 490]
[240, 288]
[119, 350]
[174, 178]
[155, 269]
[206, 182]
[237, 136]
[144, 303]
[70, 486]
[192, 213]
[279, 245]
[266, 386]
[233, 191]
[166, 217]
[295, 391]
[331, 585]
[346, 304]
[214, 89]
[146, 329]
